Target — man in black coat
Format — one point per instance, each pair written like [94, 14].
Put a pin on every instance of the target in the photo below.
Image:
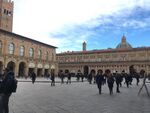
[99, 80]
[118, 81]
[33, 77]
[6, 88]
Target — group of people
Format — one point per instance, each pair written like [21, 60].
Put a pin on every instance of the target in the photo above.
[101, 79]
[8, 85]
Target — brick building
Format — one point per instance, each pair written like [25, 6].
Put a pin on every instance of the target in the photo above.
[117, 59]
[24, 54]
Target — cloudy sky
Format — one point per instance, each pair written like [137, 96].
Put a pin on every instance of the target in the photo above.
[66, 24]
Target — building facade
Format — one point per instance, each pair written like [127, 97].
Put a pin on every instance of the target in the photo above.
[25, 55]
[118, 59]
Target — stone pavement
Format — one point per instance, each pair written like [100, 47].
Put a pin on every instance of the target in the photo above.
[77, 97]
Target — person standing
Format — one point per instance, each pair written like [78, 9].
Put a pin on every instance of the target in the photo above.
[99, 80]
[7, 88]
[110, 81]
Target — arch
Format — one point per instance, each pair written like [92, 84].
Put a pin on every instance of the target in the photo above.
[100, 70]
[11, 64]
[107, 71]
[93, 71]
[66, 71]
[22, 67]
[86, 70]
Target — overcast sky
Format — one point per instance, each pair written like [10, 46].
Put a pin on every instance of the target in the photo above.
[68, 23]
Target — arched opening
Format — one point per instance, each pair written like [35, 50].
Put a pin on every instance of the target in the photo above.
[93, 71]
[66, 71]
[21, 72]
[86, 71]
[1, 68]
[107, 71]
[46, 72]
[11, 64]
[39, 72]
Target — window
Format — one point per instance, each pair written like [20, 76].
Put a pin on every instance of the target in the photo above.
[31, 52]
[47, 55]
[22, 50]
[0, 47]
[39, 54]
[11, 48]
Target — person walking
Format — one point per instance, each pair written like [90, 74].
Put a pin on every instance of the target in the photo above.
[69, 78]
[52, 79]
[99, 80]
[118, 81]
[110, 81]
[33, 77]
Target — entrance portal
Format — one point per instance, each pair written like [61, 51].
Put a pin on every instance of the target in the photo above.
[11, 64]
[45, 72]
[21, 72]
[39, 72]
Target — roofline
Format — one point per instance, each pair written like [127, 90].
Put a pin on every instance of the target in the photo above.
[104, 51]
[26, 38]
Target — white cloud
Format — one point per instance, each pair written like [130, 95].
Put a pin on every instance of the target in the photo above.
[36, 19]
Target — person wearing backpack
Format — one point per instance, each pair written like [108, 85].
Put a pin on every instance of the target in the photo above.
[8, 85]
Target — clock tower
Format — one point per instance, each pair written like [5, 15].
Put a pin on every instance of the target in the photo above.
[6, 15]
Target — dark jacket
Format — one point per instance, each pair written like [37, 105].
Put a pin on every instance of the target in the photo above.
[99, 79]
[7, 82]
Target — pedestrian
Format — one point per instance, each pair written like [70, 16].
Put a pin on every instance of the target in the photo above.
[118, 81]
[110, 81]
[33, 77]
[69, 78]
[7, 88]
[62, 76]
[127, 78]
[99, 80]
[90, 76]
[52, 79]
[137, 76]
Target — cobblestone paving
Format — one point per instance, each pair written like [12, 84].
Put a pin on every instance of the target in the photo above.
[77, 97]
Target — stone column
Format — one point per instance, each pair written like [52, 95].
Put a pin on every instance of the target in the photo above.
[16, 69]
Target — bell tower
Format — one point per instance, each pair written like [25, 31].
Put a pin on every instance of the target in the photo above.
[6, 15]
